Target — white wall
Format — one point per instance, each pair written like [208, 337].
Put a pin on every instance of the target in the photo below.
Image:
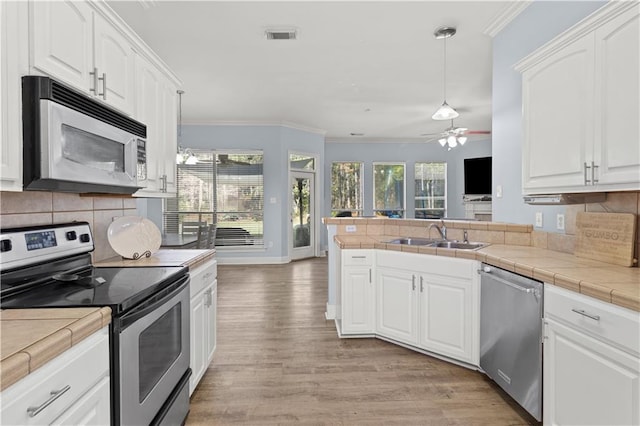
[535, 26]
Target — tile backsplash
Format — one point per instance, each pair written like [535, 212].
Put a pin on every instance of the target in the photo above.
[44, 208]
[617, 202]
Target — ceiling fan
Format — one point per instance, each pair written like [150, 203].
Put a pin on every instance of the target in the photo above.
[453, 136]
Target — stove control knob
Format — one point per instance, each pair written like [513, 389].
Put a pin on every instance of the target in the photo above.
[5, 245]
[84, 238]
[71, 235]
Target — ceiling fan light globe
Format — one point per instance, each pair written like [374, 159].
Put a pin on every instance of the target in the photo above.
[442, 141]
[452, 142]
[445, 112]
[462, 140]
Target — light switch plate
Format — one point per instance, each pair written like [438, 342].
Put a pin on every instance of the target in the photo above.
[560, 221]
[538, 219]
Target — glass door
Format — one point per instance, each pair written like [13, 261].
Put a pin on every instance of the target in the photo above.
[302, 240]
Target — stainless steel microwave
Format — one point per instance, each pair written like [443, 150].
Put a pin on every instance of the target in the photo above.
[72, 143]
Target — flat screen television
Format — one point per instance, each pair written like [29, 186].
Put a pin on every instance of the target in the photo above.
[477, 176]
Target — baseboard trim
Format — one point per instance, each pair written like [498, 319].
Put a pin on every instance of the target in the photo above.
[330, 312]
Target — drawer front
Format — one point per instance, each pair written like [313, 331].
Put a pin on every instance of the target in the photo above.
[357, 257]
[78, 368]
[600, 319]
[202, 276]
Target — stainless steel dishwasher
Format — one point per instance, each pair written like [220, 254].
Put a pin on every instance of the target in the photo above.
[511, 335]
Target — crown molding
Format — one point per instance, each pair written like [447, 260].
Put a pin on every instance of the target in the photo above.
[505, 16]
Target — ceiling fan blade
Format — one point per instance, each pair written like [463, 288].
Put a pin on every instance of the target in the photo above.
[436, 135]
[477, 132]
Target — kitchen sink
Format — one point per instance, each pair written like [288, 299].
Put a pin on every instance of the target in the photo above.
[458, 245]
[412, 241]
[427, 242]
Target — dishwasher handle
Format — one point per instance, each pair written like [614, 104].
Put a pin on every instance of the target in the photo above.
[487, 271]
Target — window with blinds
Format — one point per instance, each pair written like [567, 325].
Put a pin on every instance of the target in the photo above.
[430, 190]
[222, 188]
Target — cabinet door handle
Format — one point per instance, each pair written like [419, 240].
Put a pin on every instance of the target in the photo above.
[104, 86]
[582, 312]
[370, 276]
[593, 173]
[586, 171]
[413, 282]
[358, 257]
[94, 74]
[421, 284]
[55, 394]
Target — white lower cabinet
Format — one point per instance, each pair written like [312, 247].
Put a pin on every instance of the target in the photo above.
[591, 372]
[448, 315]
[429, 302]
[71, 389]
[203, 288]
[397, 305]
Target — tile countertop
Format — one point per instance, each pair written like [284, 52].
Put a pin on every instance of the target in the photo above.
[32, 337]
[614, 284]
[163, 257]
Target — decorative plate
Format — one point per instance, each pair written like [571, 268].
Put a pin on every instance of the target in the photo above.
[133, 237]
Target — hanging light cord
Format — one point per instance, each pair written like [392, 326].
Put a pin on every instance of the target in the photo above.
[444, 77]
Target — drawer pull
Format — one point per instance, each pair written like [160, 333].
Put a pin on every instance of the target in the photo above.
[582, 312]
[358, 257]
[55, 394]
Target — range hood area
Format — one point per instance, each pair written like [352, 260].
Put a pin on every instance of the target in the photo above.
[564, 199]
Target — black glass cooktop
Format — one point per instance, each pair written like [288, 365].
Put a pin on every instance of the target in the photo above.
[78, 285]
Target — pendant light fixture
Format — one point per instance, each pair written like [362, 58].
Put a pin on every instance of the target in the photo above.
[184, 156]
[445, 112]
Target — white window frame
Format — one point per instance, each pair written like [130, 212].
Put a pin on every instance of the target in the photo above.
[361, 184]
[446, 186]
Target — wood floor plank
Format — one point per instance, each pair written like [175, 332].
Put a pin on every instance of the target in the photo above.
[278, 361]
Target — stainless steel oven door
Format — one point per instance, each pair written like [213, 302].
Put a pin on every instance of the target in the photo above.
[76, 147]
[154, 355]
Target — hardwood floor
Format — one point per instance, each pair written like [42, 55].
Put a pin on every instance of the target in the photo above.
[279, 361]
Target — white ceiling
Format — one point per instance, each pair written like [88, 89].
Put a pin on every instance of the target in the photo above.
[368, 67]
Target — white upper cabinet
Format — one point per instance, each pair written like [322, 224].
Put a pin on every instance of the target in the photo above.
[62, 42]
[114, 62]
[617, 127]
[86, 46]
[74, 44]
[157, 109]
[14, 63]
[580, 97]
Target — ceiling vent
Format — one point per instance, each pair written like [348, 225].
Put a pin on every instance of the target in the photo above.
[290, 34]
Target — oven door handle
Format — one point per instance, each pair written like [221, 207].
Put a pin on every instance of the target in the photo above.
[143, 311]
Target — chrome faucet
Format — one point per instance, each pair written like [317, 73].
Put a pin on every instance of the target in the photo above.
[441, 230]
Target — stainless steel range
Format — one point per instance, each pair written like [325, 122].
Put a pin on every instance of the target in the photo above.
[50, 266]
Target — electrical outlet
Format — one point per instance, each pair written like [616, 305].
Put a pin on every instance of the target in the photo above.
[350, 228]
[560, 221]
[538, 219]
[499, 191]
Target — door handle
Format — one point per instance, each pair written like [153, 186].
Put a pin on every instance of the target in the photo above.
[104, 86]
[55, 394]
[593, 173]
[586, 171]
[94, 74]
[582, 312]
[421, 284]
